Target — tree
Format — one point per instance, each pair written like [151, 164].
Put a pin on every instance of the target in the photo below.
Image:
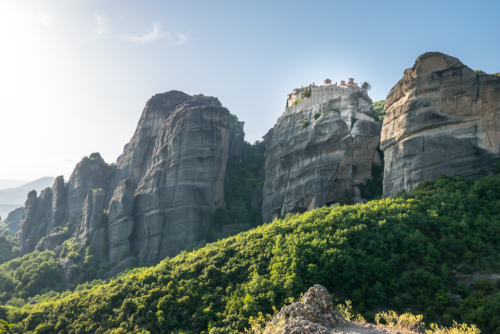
[366, 86]
[4, 327]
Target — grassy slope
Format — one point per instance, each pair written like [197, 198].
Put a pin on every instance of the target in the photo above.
[397, 253]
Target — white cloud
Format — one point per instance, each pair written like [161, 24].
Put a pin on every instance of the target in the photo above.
[152, 35]
[181, 38]
[102, 24]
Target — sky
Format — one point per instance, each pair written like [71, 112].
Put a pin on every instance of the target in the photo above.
[76, 74]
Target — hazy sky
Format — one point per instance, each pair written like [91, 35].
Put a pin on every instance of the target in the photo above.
[75, 75]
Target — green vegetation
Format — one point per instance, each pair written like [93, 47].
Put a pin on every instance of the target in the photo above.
[33, 274]
[366, 86]
[9, 248]
[497, 75]
[335, 110]
[378, 108]
[307, 92]
[479, 73]
[399, 253]
[296, 101]
[305, 124]
[242, 180]
[317, 115]
[373, 189]
[4, 327]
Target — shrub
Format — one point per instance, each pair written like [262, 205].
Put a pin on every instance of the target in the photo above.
[74, 256]
[335, 110]
[296, 101]
[305, 124]
[353, 120]
[317, 115]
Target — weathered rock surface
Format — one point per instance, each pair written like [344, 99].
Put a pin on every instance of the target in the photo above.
[90, 173]
[441, 118]
[92, 217]
[66, 269]
[316, 314]
[184, 180]
[311, 166]
[120, 221]
[14, 218]
[134, 161]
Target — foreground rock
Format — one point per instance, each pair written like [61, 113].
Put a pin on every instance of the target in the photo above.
[316, 314]
[442, 117]
[313, 161]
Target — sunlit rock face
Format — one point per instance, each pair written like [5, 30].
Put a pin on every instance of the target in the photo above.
[184, 180]
[441, 118]
[313, 162]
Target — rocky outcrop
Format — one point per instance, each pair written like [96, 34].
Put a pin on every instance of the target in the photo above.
[93, 219]
[120, 221]
[442, 117]
[14, 218]
[184, 180]
[91, 173]
[35, 219]
[133, 162]
[311, 161]
[315, 313]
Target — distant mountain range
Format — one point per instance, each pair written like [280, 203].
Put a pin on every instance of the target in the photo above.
[12, 198]
[5, 184]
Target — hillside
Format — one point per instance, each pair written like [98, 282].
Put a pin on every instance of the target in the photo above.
[421, 251]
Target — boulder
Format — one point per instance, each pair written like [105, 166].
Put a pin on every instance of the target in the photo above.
[442, 117]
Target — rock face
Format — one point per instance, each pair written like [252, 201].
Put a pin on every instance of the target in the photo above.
[14, 218]
[120, 221]
[91, 173]
[441, 118]
[184, 180]
[312, 162]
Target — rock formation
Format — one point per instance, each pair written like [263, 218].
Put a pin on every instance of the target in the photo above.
[442, 117]
[120, 221]
[313, 161]
[184, 180]
[315, 313]
[14, 218]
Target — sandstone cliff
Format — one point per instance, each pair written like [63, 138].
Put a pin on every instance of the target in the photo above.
[311, 161]
[442, 117]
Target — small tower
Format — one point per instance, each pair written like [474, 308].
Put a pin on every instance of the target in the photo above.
[328, 82]
[342, 83]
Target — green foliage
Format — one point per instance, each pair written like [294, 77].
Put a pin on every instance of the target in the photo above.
[317, 115]
[335, 110]
[241, 182]
[4, 327]
[28, 276]
[305, 124]
[366, 86]
[9, 248]
[379, 109]
[396, 253]
[296, 101]
[497, 75]
[307, 92]
[373, 189]
[478, 74]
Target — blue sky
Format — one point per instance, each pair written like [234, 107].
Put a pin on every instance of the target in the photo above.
[75, 75]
